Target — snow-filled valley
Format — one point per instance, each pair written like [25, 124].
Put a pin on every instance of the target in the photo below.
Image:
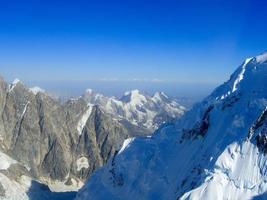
[217, 150]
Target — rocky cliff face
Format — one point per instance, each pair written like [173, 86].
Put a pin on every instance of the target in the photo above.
[50, 146]
[55, 142]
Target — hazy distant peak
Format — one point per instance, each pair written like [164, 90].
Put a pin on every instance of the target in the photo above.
[89, 90]
[134, 92]
[15, 81]
[14, 84]
[160, 96]
[35, 90]
[133, 96]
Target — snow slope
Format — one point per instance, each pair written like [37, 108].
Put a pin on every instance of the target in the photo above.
[217, 150]
[84, 119]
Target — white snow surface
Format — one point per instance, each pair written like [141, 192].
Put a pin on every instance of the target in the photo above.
[84, 118]
[60, 186]
[126, 144]
[241, 75]
[24, 110]
[82, 162]
[35, 90]
[210, 153]
[13, 84]
[5, 161]
[262, 58]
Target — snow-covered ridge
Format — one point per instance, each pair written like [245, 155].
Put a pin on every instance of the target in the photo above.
[210, 153]
[35, 90]
[126, 144]
[252, 69]
[13, 84]
[261, 58]
[241, 75]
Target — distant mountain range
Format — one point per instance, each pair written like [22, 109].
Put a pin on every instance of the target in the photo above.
[48, 147]
[141, 110]
[217, 150]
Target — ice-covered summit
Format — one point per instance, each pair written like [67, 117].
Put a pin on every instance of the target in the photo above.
[14, 84]
[248, 78]
[35, 90]
[134, 97]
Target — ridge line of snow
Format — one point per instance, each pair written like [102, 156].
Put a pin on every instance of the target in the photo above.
[126, 144]
[13, 84]
[240, 75]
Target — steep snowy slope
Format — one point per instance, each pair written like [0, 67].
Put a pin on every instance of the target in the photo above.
[215, 151]
[139, 109]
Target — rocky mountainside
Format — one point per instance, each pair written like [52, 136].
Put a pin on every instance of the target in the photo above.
[215, 151]
[48, 148]
[59, 145]
[138, 109]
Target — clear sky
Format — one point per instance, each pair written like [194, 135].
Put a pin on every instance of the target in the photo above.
[182, 41]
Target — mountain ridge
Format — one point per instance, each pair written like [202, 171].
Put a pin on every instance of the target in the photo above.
[215, 151]
[50, 147]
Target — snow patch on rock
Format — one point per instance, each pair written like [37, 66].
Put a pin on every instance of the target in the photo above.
[82, 163]
[84, 119]
[5, 161]
[126, 144]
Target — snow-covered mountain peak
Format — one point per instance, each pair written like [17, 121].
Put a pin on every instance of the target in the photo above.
[35, 90]
[94, 97]
[89, 91]
[250, 77]
[135, 91]
[160, 96]
[262, 57]
[134, 97]
[140, 109]
[14, 83]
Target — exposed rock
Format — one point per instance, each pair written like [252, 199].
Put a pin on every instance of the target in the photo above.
[200, 128]
[2, 191]
[42, 134]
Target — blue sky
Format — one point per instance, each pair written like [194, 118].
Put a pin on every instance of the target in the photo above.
[146, 41]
